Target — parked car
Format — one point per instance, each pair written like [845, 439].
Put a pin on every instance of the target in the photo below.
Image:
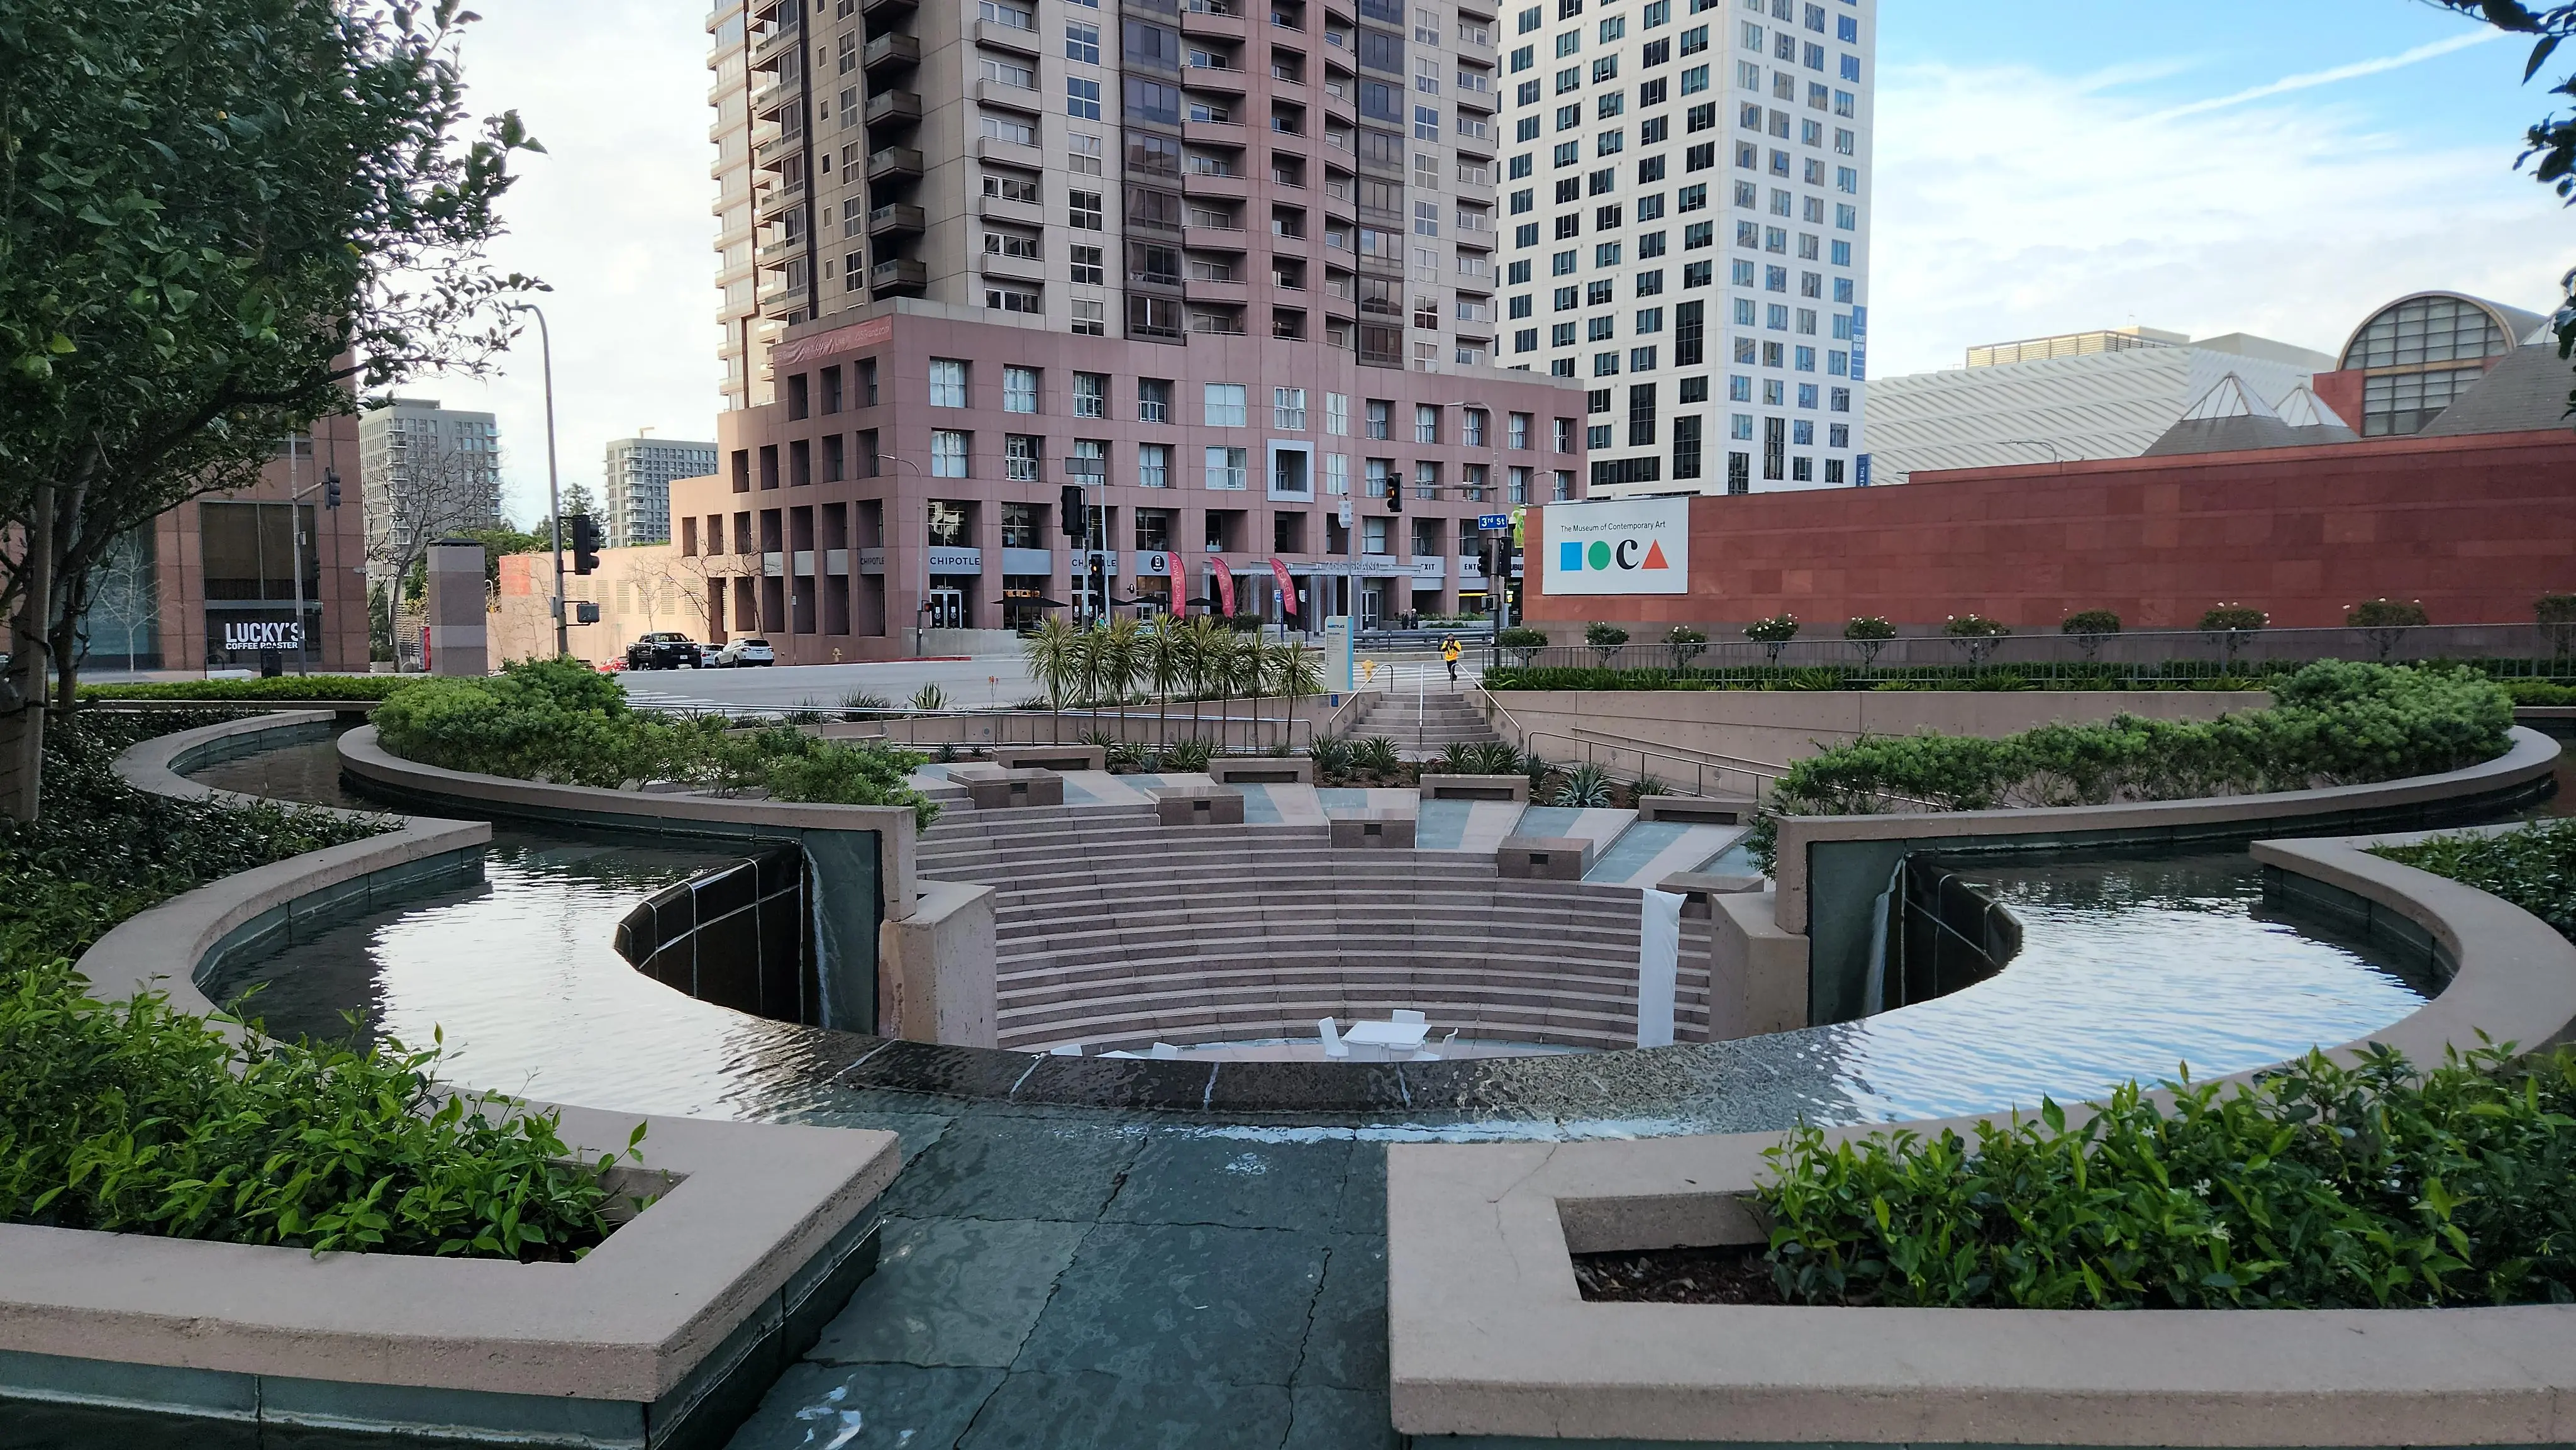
[741, 652]
[665, 650]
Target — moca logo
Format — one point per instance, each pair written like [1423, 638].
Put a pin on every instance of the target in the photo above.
[1573, 557]
[1628, 546]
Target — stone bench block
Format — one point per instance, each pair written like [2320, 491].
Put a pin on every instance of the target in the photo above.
[1262, 770]
[1696, 887]
[1703, 810]
[1216, 806]
[1437, 787]
[1543, 858]
[1006, 789]
[1388, 830]
[1052, 757]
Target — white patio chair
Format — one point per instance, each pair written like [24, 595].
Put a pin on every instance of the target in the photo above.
[1165, 1052]
[1334, 1046]
[1065, 1049]
[1404, 1014]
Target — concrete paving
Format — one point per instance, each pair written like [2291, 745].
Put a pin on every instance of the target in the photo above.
[969, 684]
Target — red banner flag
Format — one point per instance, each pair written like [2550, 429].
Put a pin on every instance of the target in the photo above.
[1287, 587]
[1224, 585]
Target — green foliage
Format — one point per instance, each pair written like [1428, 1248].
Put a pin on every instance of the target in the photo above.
[2320, 1187]
[1778, 629]
[1585, 785]
[1685, 644]
[1605, 639]
[104, 850]
[2533, 867]
[1331, 754]
[560, 720]
[929, 698]
[2233, 618]
[133, 1118]
[1189, 757]
[1974, 626]
[858, 704]
[1376, 755]
[2554, 609]
[1869, 626]
[2332, 724]
[1493, 757]
[1458, 757]
[284, 687]
[2090, 621]
[2540, 692]
[2386, 614]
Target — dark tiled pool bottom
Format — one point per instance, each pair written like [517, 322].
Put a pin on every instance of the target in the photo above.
[1082, 1280]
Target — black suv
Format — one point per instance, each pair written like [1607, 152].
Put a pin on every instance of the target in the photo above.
[665, 650]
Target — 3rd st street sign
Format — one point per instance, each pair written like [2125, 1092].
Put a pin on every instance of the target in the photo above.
[1634, 546]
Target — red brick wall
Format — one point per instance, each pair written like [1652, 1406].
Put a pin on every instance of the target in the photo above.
[2475, 527]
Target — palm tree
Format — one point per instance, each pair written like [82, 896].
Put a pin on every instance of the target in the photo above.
[1224, 671]
[1166, 666]
[1201, 639]
[1085, 668]
[1120, 652]
[1050, 652]
[1300, 673]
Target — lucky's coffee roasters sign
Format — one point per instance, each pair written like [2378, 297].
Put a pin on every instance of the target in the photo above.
[259, 634]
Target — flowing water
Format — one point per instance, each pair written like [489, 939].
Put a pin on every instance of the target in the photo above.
[2129, 968]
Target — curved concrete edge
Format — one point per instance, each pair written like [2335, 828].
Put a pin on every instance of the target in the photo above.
[1489, 1336]
[679, 1305]
[2530, 758]
[364, 757]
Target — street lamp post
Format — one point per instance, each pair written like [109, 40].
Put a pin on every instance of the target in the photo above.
[554, 492]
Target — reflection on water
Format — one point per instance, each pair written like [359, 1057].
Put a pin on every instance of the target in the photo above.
[2129, 969]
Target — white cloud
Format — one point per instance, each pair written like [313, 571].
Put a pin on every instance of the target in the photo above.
[615, 216]
[2014, 204]
[2355, 71]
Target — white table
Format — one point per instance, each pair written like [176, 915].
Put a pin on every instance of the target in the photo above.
[1385, 1041]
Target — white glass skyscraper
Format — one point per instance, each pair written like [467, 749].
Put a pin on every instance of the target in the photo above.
[1688, 197]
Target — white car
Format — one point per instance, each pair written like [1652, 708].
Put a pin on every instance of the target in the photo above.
[741, 652]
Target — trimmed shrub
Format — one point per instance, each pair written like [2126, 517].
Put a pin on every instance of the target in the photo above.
[2332, 724]
[2386, 614]
[1686, 644]
[1521, 641]
[2534, 867]
[1605, 639]
[2318, 1187]
[283, 687]
[2090, 621]
[559, 720]
[2233, 618]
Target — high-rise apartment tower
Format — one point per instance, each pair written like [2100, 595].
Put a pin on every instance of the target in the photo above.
[1688, 190]
[1218, 263]
[637, 486]
[424, 472]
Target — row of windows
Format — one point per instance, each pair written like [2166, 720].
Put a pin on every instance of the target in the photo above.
[1221, 405]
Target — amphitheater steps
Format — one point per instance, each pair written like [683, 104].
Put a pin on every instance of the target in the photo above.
[1422, 725]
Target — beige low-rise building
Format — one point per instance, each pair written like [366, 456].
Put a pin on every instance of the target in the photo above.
[639, 590]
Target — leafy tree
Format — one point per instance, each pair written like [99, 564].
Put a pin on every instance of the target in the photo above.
[1605, 639]
[218, 220]
[2384, 622]
[1870, 632]
[1685, 643]
[2550, 141]
[1773, 634]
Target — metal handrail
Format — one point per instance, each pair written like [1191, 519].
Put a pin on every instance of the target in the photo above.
[1699, 768]
[1746, 761]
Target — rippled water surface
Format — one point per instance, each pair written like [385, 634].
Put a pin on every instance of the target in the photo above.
[2128, 969]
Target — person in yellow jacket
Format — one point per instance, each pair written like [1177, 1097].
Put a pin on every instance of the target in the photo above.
[1449, 653]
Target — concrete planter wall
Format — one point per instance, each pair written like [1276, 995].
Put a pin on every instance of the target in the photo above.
[1490, 1338]
[664, 1335]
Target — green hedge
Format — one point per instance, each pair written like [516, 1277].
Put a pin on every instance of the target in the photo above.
[2319, 1187]
[2540, 692]
[560, 720]
[2168, 675]
[283, 687]
[134, 1118]
[2333, 724]
[2533, 867]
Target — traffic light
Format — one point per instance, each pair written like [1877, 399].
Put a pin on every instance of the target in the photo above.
[331, 488]
[1394, 492]
[1072, 509]
[585, 542]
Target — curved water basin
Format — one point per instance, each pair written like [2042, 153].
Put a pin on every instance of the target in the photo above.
[2129, 968]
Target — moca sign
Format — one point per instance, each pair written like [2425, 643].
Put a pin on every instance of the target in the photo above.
[1633, 546]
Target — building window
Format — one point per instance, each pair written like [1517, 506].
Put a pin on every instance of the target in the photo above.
[1426, 423]
[1288, 409]
[1226, 467]
[1337, 414]
[1223, 405]
[1476, 427]
[947, 384]
[1153, 465]
[1019, 390]
[1020, 457]
[948, 453]
[1153, 400]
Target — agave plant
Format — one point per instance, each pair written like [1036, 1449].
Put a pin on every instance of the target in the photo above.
[1127, 753]
[1459, 757]
[859, 703]
[1585, 785]
[1645, 785]
[1189, 757]
[1496, 758]
[1331, 754]
[1377, 754]
[1536, 767]
[930, 697]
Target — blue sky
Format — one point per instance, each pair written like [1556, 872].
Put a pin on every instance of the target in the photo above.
[2043, 166]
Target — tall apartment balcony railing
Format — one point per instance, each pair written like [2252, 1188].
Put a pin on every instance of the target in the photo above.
[1213, 133]
[779, 199]
[897, 219]
[895, 163]
[874, 9]
[890, 52]
[1015, 269]
[1477, 100]
[766, 50]
[770, 98]
[1003, 93]
[1213, 23]
[1225, 78]
[1002, 35]
[1231, 291]
[777, 149]
[1216, 187]
[894, 108]
[901, 277]
[1001, 209]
